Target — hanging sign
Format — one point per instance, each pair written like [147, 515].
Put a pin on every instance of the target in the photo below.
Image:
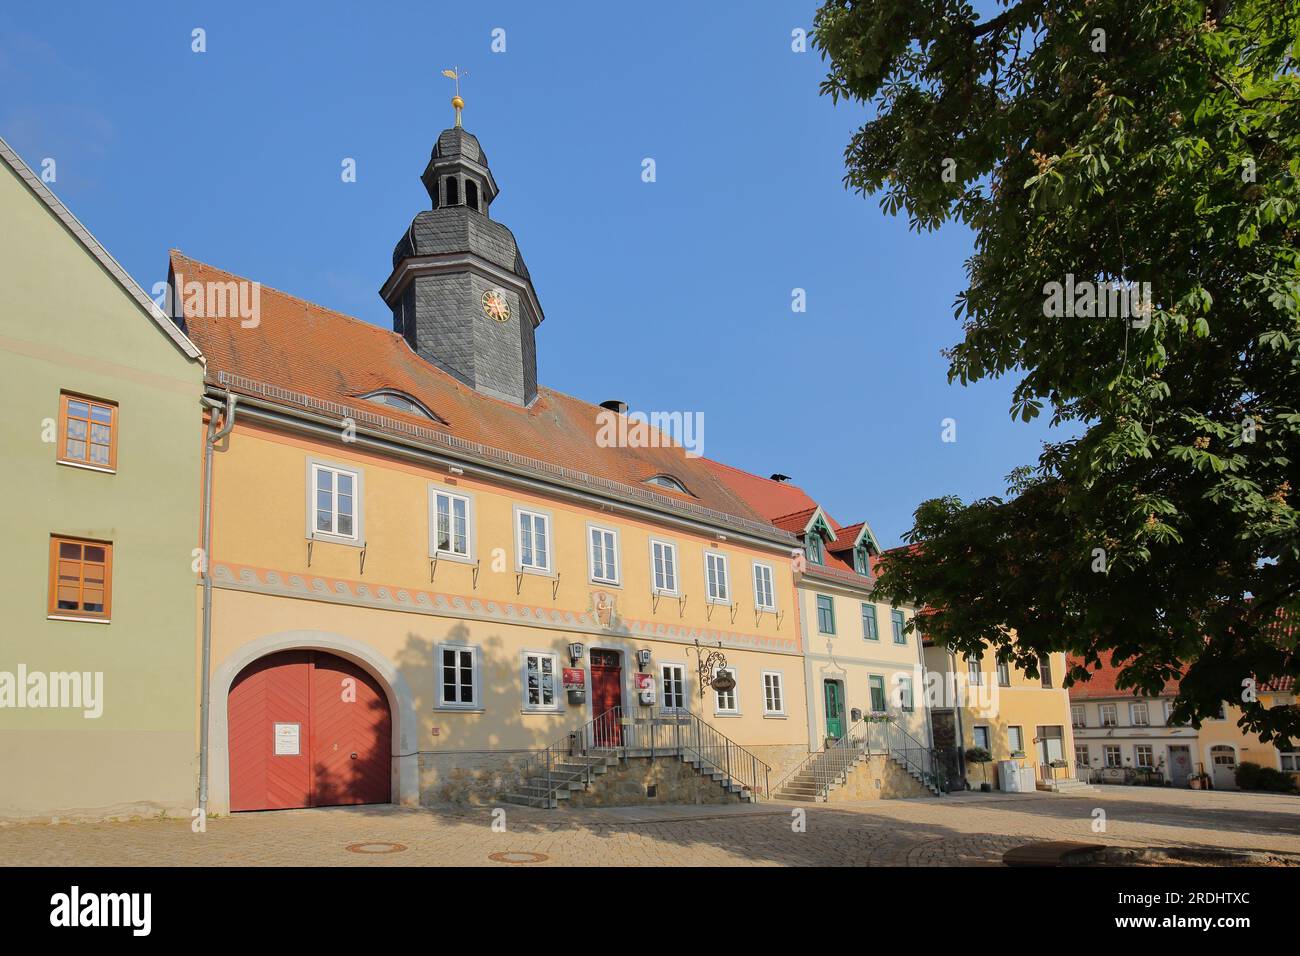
[575, 678]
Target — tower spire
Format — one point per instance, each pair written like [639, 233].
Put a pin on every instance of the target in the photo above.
[454, 74]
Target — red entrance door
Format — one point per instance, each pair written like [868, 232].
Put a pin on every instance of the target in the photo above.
[308, 729]
[607, 698]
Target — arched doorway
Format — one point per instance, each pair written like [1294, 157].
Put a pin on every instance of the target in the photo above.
[308, 729]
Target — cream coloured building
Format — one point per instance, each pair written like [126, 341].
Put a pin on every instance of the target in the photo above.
[435, 579]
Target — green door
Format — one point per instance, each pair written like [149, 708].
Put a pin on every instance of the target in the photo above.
[834, 692]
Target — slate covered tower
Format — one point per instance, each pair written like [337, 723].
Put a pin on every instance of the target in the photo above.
[460, 292]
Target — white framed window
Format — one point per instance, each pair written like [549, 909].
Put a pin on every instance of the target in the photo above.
[981, 738]
[727, 701]
[1291, 762]
[334, 503]
[458, 677]
[541, 682]
[903, 693]
[1016, 739]
[1004, 674]
[663, 562]
[1112, 755]
[533, 539]
[773, 694]
[672, 677]
[973, 673]
[1138, 715]
[764, 592]
[1144, 756]
[717, 582]
[451, 517]
[1109, 717]
[1077, 718]
[1081, 757]
[602, 551]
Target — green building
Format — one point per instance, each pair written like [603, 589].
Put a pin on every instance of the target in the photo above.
[101, 435]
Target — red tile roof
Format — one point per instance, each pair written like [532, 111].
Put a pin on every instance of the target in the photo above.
[789, 507]
[846, 536]
[306, 348]
[1103, 682]
[1283, 628]
[771, 499]
[795, 523]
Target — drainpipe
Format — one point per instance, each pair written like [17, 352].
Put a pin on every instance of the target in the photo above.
[214, 436]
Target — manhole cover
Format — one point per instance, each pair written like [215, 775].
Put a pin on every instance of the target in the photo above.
[518, 857]
[375, 847]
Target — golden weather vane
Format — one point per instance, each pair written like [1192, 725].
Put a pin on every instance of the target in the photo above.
[455, 73]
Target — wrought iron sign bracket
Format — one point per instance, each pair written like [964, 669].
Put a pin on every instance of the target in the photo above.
[555, 586]
[477, 564]
[362, 558]
[311, 540]
[433, 568]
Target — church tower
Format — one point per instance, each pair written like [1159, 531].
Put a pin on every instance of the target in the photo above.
[460, 292]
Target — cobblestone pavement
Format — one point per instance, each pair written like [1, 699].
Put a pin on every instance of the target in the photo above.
[966, 829]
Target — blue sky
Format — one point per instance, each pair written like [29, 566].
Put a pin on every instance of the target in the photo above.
[672, 295]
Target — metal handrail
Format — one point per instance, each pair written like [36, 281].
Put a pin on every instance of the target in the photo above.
[828, 765]
[743, 767]
[867, 737]
[915, 755]
[676, 733]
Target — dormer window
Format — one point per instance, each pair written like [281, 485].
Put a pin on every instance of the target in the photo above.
[471, 194]
[401, 402]
[453, 191]
[667, 481]
[813, 547]
[861, 561]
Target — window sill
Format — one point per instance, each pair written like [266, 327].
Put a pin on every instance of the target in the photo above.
[88, 467]
[450, 556]
[82, 620]
[597, 582]
[451, 709]
[539, 572]
[321, 537]
[721, 714]
[776, 716]
[540, 711]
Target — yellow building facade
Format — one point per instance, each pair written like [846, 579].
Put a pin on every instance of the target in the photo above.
[1004, 711]
[394, 608]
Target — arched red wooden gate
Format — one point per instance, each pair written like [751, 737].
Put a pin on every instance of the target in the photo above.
[308, 729]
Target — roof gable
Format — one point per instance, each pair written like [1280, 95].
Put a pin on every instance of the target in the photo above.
[92, 246]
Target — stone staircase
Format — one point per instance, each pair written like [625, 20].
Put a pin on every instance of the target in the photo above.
[827, 770]
[568, 774]
[575, 774]
[574, 763]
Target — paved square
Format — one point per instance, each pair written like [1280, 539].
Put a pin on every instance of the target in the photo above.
[966, 829]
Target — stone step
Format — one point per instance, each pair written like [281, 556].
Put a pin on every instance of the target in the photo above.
[523, 800]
